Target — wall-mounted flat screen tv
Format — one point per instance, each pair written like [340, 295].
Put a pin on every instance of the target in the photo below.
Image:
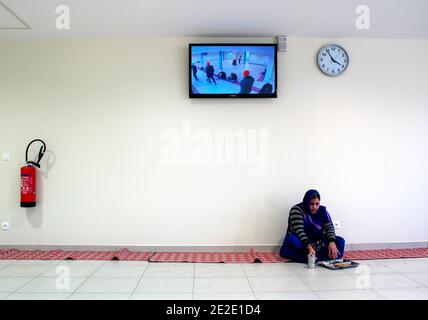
[233, 70]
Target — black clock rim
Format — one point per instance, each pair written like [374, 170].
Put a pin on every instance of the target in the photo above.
[336, 45]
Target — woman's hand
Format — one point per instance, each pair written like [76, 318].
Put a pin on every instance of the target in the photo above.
[311, 250]
[333, 253]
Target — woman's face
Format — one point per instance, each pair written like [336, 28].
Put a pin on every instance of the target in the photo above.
[314, 205]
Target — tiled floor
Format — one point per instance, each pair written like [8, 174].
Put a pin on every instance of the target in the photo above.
[374, 280]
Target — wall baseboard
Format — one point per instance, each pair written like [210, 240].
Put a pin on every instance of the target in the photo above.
[212, 248]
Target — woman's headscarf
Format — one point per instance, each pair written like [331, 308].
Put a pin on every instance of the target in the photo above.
[314, 222]
[307, 199]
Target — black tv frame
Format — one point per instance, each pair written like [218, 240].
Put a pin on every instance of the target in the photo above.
[211, 95]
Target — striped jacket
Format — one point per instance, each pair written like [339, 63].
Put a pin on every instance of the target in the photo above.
[296, 225]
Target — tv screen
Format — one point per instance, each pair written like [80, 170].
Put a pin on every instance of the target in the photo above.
[233, 70]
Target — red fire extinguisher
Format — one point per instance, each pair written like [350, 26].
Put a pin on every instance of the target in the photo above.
[28, 177]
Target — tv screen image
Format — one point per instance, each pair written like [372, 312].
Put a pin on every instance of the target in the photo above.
[233, 70]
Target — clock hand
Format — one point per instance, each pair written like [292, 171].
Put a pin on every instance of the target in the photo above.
[328, 51]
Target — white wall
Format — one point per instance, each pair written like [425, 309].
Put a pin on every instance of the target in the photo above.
[102, 105]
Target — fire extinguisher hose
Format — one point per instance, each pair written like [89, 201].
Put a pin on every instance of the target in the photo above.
[40, 156]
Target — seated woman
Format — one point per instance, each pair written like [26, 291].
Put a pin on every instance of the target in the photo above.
[311, 231]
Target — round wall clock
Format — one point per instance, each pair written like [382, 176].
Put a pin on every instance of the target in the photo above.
[332, 60]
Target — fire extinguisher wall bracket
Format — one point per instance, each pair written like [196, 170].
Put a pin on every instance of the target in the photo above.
[28, 177]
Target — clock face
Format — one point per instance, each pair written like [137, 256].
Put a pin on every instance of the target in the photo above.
[332, 60]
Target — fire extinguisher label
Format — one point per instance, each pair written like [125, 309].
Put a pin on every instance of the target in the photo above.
[26, 184]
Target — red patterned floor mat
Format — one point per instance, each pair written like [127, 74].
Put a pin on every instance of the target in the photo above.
[268, 257]
[386, 254]
[123, 254]
[207, 257]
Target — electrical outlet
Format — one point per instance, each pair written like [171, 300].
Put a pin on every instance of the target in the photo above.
[336, 224]
[5, 226]
[6, 156]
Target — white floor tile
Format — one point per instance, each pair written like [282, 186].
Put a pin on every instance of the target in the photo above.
[114, 280]
[10, 284]
[223, 296]
[83, 262]
[70, 270]
[6, 262]
[165, 285]
[421, 278]
[162, 296]
[286, 295]
[394, 261]
[51, 285]
[390, 281]
[108, 285]
[409, 266]
[297, 265]
[348, 295]
[318, 272]
[3, 295]
[170, 264]
[218, 270]
[38, 296]
[268, 270]
[126, 263]
[372, 268]
[37, 262]
[275, 284]
[302, 269]
[404, 294]
[23, 270]
[100, 296]
[119, 272]
[169, 270]
[342, 282]
[231, 285]
[378, 261]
